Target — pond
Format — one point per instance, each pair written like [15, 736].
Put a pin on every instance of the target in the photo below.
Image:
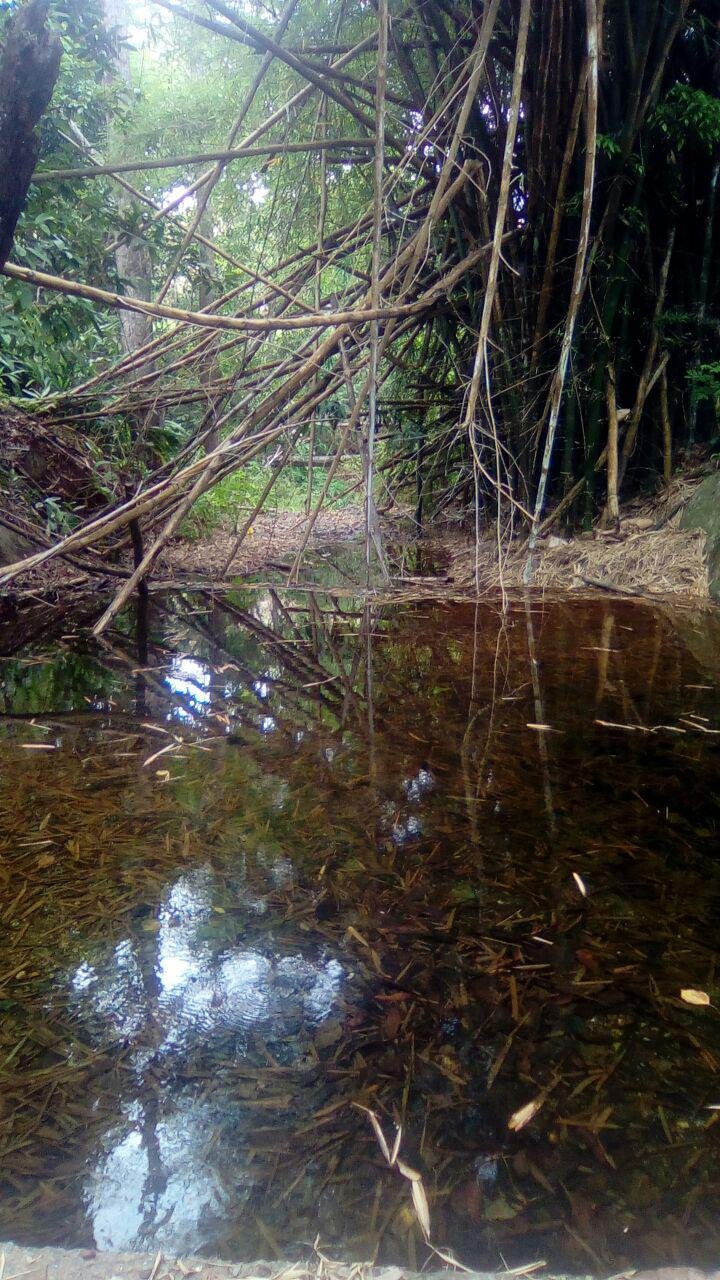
[297, 860]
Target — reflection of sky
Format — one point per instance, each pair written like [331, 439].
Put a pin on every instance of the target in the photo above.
[130, 1206]
[191, 679]
[189, 987]
[195, 967]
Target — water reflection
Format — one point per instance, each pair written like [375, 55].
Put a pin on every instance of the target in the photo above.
[434, 861]
[192, 679]
[163, 1193]
[186, 993]
[191, 976]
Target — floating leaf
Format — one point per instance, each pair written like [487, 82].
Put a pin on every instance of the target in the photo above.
[524, 1115]
[422, 1207]
[378, 1132]
[691, 996]
[580, 884]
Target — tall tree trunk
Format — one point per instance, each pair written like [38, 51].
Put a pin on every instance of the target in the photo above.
[29, 66]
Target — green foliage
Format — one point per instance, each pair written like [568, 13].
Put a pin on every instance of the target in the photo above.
[607, 146]
[47, 341]
[704, 382]
[689, 115]
[235, 497]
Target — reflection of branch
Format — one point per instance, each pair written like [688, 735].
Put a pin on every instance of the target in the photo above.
[301, 666]
[540, 717]
[472, 792]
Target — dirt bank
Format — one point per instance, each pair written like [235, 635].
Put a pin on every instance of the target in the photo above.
[85, 1264]
[649, 555]
[272, 541]
[641, 561]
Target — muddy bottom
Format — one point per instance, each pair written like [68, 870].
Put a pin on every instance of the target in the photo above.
[288, 860]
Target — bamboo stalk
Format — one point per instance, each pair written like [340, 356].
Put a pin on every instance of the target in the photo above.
[646, 380]
[666, 428]
[207, 320]
[202, 157]
[373, 537]
[612, 509]
[481, 370]
[593, 41]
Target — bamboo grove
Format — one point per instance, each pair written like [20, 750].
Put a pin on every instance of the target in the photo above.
[519, 318]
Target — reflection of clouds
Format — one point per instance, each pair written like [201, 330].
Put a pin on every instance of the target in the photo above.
[113, 995]
[190, 989]
[194, 978]
[130, 1206]
[279, 868]
[236, 988]
[191, 679]
[402, 828]
[406, 829]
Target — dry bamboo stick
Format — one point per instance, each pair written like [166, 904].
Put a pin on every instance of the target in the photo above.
[612, 509]
[198, 471]
[204, 319]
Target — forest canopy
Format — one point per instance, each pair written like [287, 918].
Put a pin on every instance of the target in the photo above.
[475, 243]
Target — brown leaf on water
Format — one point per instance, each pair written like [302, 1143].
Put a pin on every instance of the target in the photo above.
[392, 1022]
[422, 1207]
[524, 1115]
[690, 996]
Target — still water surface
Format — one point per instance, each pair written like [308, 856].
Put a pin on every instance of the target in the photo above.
[424, 859]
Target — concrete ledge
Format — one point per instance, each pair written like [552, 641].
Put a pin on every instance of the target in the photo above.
[21, 1263]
